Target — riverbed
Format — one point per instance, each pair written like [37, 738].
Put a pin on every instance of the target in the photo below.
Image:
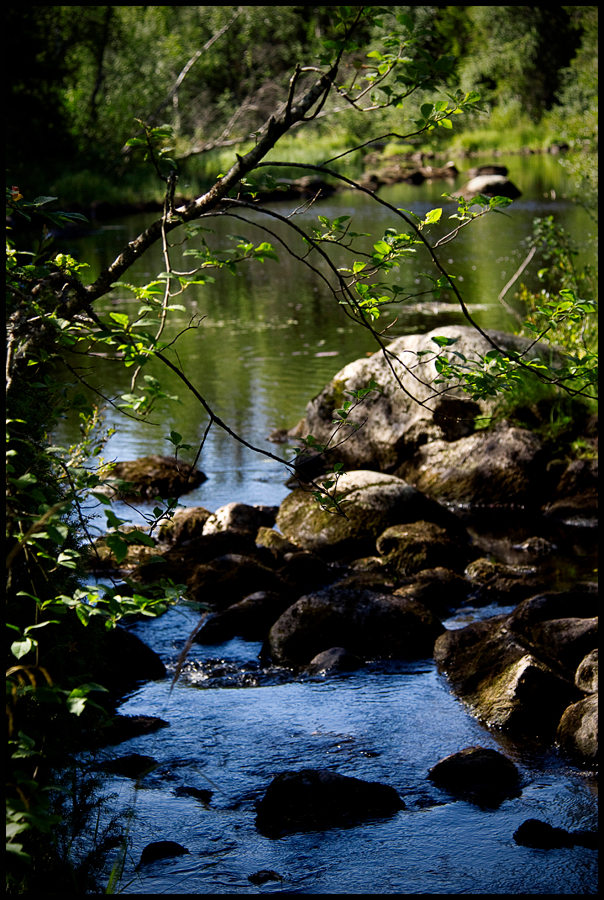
[269, 339]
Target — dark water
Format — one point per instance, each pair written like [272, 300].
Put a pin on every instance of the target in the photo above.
[258, 357]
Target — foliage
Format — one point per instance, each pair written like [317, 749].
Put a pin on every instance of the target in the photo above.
[52, 322]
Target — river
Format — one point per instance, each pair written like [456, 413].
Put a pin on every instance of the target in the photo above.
[269, 339]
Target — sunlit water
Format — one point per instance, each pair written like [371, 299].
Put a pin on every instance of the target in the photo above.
[270, 339]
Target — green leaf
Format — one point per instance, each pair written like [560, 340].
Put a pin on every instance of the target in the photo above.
[118, 547]
[433, 216]
[444, 341]
[21, 648]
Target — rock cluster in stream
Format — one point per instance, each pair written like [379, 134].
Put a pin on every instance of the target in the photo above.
[326, 594]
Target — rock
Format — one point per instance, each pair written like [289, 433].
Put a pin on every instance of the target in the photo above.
[228, 579]
[490, 186]
[368, 624]
[263, 876]
[336, 659]
[398, 421]
[319, 798]
[271, 540]
[185, 525]
[578, 730]
[128, 660]
[500, 467]
[507, 686]
[132, 766]
[486, 170]
[563, 642]
[240, 517]
[123, 728]
[155, 476]
[421, 545]
[543, 836]
[200, 794]
[305, 571]
[374, 501]
[495, 582]
[250, 618]
[481, 773]
[439, 589]
[536, 546]
[161, 850]
[586, 676]
[577, 492]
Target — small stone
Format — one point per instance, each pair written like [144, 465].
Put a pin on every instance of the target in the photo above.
[161, 850]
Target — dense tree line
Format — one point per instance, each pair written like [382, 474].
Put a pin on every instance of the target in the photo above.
[80, 76]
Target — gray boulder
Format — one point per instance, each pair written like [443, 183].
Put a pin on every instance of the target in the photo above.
[185, 525]
[500, 466]
[490, 186]
[153, 476]
[374, 501]
[407, 414]
[319, 798]
[368, 624]
[439, 589]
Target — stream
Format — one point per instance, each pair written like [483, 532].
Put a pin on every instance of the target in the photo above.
[269, 340]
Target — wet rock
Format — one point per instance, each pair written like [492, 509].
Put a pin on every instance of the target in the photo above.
[367, 573]
[179, 563]
[495, 582]
[132, 766]
[366, 623]
[479, 772]
[155, 476]
[200, 794]
[123, 728]
[161, 850]
[396, 424]
[319, 798]
[128, 660]
[586, 676]
[185, 525]
[543, 836]
[421, 545]
[439, 589]
[577, 492]
[374, 501]
[250, 619]
[536, 546]
[490, 186]
[506, 685]
[240, 517]
[578, 730]
[336, 659]
[230, 578]
[499, 466]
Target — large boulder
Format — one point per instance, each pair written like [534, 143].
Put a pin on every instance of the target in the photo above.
[374, 502]
[440, 589]
[230, 578]
[154, 476]
[319, 798]
[586, 676]
[480, 773]
[185, 525]
[250, 618]
[506, 685]
[500, 466]
[576, 495]
[365, 623]
[409, 412]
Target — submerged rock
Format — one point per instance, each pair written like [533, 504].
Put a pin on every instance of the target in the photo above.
[543, 836]
[367, 624]
[134, 765]
[319, 798]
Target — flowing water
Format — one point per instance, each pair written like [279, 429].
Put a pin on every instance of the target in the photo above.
[270, 338]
